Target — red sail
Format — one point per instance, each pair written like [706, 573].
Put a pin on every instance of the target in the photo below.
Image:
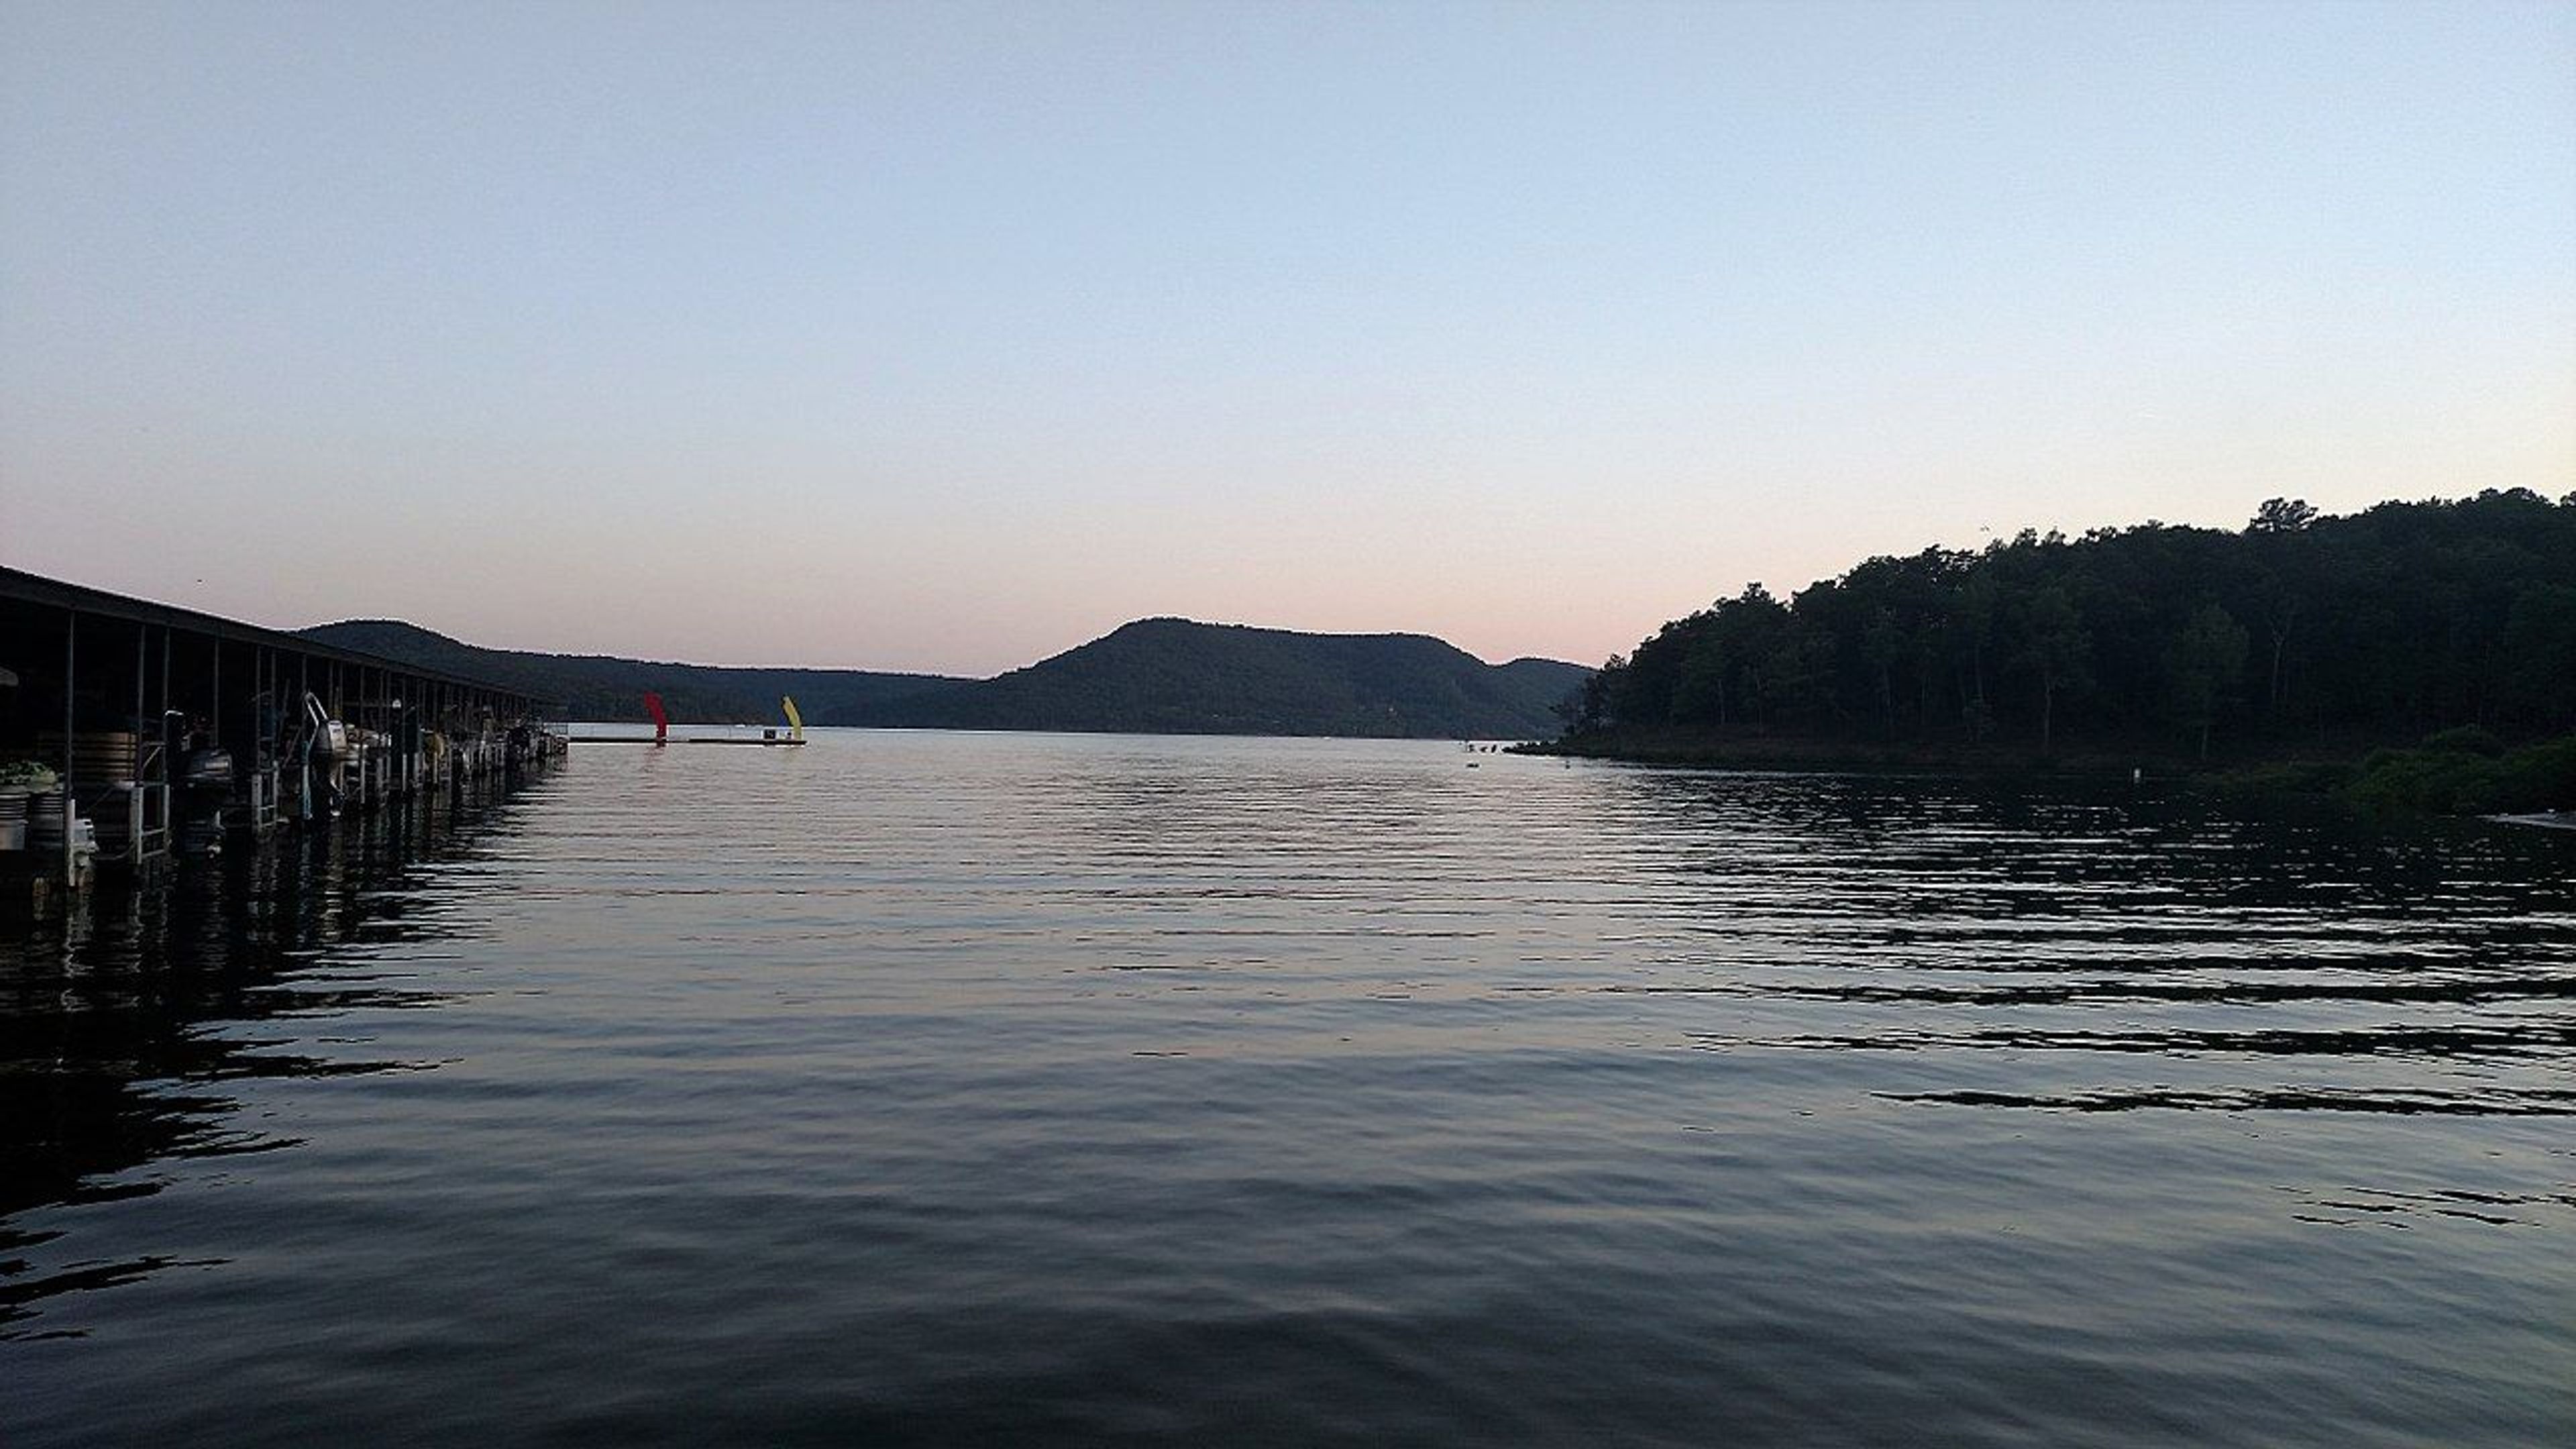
[661, 721]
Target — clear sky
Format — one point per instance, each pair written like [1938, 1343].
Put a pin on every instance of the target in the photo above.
[946, 336]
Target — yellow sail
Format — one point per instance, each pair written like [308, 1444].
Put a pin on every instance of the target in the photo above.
[795, 721]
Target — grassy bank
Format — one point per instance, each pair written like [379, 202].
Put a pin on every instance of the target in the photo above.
[2459, 772]
[2155, 754]
[1685, 748]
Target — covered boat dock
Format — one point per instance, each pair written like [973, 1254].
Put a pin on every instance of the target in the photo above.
[133, 732]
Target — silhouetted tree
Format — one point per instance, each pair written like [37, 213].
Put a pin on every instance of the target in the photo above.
[2202, 663]
[2054, 647]
[2282, 515]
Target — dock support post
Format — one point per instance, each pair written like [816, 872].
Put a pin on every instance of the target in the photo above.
[134, 764]
[71, 656]
[157, 794]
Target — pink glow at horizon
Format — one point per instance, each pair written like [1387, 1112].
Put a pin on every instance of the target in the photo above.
[948, 338]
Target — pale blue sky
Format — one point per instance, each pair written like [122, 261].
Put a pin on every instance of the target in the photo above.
[947, 336]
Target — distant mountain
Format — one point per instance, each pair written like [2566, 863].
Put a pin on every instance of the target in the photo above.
[597, 687]
[1174, 676]
[1155, 676]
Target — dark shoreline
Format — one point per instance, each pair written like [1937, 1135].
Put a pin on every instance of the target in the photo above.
[2456, 772]
[1684, 749]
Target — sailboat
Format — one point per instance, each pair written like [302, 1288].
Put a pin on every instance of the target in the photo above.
[795, 725]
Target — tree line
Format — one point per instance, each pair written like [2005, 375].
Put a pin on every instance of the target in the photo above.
[2400, 620]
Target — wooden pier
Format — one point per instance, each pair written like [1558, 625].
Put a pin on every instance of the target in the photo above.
[168, 731]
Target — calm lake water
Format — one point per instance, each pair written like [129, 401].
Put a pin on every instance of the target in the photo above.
[954, 1089]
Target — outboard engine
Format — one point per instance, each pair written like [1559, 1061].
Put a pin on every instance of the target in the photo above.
[204, 787]
[207, 770]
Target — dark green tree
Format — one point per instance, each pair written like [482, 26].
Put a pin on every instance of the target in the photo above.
[2055, 650]
[2203, 661]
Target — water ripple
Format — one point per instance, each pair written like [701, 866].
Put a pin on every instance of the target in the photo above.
[989, 1088]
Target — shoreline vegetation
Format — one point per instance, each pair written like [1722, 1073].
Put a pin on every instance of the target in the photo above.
[2458, 772]
[2410, 657]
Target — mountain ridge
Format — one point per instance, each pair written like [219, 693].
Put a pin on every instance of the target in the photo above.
[1160, 675]
[612, 687]
[1168, 675]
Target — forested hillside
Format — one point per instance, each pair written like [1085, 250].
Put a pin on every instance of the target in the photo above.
[2384, 625]
[1173, 676]
[1152, 676]
[598, 687]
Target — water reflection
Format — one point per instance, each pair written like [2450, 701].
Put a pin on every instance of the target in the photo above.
[942, 1089]
[2152, 952]
[121, 1025]
[2485, 1102]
